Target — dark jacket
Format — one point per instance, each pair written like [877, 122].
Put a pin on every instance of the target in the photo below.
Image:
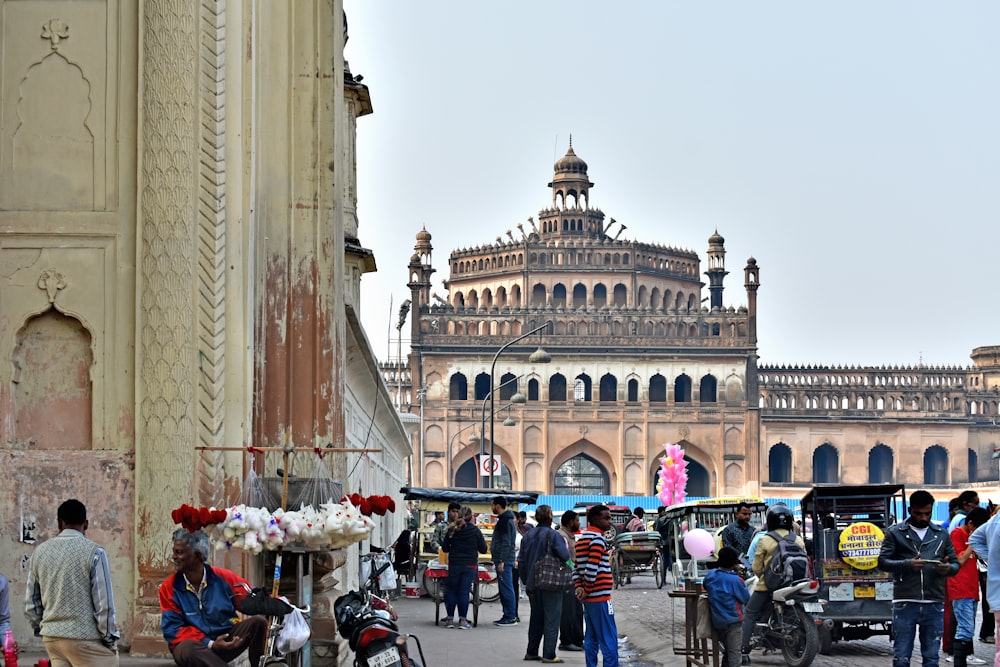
[502, 545]
[534, 545]
[464, 546]
[901, 545]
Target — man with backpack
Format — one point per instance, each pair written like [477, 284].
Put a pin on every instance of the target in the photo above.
[779, 560]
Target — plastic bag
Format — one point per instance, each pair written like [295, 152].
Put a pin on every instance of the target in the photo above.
[294, 633]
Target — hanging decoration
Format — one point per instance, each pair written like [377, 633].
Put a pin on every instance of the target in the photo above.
[673, 475]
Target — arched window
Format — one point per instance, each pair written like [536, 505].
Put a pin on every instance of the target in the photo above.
[682, 389]
[579, 296]
[620, 295]
[508, 386]
[482, 386]
[559, 295]
[779, 464]
[657, 389]
[973, 466]
[582, 388]
[458, 388]
[609, 388]
[557, 388]
[600, 296]
[538, 295]
[581, 475]
[532, 389]
[709, 389]
[936, 465]
[633, 391]
[880, 464]
[826, 464]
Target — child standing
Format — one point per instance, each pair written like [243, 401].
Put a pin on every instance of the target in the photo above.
[727, 593]
[963, 589]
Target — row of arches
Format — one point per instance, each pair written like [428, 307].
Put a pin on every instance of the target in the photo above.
[582, 388]
[579, 475]
[881, 465]
[853, 401]
[581, 296]
[797, 379]
[607, 327]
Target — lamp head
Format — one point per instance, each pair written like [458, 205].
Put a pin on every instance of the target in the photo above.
[540, 356]
[519, 398]
[509, 421]
[473, 438]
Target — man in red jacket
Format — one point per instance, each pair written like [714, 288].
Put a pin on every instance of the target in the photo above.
[198, 617]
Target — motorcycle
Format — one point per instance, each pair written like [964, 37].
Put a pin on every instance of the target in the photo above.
[788, 626]
[368, 623]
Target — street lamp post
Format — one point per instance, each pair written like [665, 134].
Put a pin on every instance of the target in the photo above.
[539, 356]
[517, 399]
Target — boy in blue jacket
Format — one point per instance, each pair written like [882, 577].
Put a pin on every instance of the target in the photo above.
[727, 593]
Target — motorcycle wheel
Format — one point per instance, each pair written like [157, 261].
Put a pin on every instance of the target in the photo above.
[800, 643]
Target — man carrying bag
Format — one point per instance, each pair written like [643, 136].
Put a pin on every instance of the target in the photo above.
[545, 569]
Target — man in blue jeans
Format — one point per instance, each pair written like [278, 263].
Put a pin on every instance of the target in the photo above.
[920, 556]
[502, 551]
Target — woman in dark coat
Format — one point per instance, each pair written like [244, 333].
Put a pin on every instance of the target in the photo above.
[463, 543]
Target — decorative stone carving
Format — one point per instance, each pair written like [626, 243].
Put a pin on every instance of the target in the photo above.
[52, 282]
[54, 31]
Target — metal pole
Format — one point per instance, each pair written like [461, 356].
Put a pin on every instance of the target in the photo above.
[493, 367]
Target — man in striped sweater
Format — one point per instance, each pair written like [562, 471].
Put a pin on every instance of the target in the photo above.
[593, 583]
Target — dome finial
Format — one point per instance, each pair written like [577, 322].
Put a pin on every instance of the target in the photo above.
[571, 141]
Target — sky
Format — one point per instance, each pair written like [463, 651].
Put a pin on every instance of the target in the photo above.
[852, 148]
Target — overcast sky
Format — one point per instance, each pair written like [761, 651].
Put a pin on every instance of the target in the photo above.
[852, 148]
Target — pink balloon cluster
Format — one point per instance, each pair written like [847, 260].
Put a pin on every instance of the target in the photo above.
[673, 475]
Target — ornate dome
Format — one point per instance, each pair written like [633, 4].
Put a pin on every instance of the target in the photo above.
[716, 239]
[423, 235]
[571, 163]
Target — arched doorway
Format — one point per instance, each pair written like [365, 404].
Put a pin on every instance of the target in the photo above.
[581, 475]
[466, 476]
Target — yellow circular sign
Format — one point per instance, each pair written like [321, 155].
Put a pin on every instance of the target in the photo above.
[860, 544]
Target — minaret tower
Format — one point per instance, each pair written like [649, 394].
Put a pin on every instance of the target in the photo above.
[716, 268]
[420, 270]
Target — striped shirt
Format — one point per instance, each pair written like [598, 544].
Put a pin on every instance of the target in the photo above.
[593, 567]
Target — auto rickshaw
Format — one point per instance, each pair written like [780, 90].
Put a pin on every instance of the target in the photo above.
[844, 528]
[711, 514]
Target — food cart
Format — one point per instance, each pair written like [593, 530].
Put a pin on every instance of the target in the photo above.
[427, 563]
[711, 514]
[845, 526]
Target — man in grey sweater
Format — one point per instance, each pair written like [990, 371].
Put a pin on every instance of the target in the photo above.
[73, 607]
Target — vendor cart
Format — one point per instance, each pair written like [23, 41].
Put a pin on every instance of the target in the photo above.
[428, 561]
[711, 514]
[436, 575]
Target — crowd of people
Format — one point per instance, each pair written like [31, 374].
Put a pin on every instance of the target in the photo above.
[940, 574]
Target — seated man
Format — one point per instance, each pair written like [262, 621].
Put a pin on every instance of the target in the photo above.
[198, 616]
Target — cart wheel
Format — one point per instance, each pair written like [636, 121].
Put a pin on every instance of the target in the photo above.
[616, 572]
[658, 571]
[489, 589]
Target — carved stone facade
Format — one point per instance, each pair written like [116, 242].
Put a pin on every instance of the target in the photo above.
[176, 186]
[638, 359]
